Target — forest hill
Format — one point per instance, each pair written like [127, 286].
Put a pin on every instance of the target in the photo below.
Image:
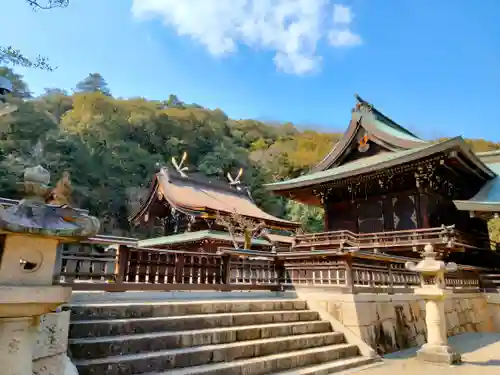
[112, 146]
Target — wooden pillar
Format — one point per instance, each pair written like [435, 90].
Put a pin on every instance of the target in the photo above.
[226, 269]
[326, 216]
[279, 266]
[423, 209]
[121, 267]
[349, 279]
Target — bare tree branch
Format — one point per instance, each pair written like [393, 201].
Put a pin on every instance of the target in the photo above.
[47, 4]
[12, 56]
[227, 223]
[238, 225]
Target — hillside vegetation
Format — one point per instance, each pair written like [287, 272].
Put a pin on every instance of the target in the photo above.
[113, 146]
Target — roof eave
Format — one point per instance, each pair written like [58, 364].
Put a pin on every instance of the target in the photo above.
[153, 193]
[278, 223]
[202, 235]
[477, 206]
[431, 149]
[490, 157]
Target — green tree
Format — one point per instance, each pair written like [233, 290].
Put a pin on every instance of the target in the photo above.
[94, 82]
[311, 217]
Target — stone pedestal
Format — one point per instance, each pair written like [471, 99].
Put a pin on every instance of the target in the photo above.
[436, 349]
[16, 345]
[433, 291]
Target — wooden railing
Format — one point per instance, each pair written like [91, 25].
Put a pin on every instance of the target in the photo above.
[446, 235]
[131, 268]
[123, 268]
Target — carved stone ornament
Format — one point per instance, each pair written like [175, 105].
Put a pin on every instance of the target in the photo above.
[33, 216]
[430, 267]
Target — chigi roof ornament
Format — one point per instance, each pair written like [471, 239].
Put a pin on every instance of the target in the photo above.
[235, 181]
[362, 105]
[179, 166]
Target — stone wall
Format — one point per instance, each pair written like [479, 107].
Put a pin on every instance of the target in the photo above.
[49, 352]
[393, 322]
[493, 300]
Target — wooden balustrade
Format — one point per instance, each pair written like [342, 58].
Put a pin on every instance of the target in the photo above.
[120, 268]
[391, 239]
[130, 268]
[87, 262]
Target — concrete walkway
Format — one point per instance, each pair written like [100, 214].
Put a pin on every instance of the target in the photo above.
[480, 356]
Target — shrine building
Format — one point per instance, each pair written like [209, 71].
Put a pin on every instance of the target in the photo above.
[180, 212]
[381, 182]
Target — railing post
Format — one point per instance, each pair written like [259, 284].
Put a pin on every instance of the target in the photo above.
[391, 281]
[481, 284]
[279, 265]
[349, 279]
[226, 269]
[121, 266]
[179, 268]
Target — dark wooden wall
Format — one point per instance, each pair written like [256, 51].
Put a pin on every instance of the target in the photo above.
[399, 211]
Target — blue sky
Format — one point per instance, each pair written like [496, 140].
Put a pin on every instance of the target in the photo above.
[433, 66]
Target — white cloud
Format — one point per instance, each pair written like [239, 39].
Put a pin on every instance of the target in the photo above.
[341, 34]
[343, 38]
[290, 28]
[341, 15]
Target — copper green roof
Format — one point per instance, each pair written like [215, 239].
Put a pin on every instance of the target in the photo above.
[487, 199]
[378, 162]
[195, 237]
[392, 130]
[368, 121]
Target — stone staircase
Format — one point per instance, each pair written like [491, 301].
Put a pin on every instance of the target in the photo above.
[234, 337]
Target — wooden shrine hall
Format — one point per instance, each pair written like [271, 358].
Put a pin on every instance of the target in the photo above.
[180, 212]
[386, 190]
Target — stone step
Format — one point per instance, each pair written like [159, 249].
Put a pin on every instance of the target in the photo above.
[332, 366]
[203, 355]
[274, 363]
[112, 327]
[80, 312]
[99, 347]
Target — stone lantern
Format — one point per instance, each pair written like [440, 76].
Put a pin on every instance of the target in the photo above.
[30, 233]
[433, 291]
[5, 90]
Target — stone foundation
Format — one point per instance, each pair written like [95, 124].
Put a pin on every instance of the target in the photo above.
[390, 323]
[49, 353]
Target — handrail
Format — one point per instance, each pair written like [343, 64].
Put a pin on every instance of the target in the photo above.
[444, 235]
[355, 271]
[376, 234]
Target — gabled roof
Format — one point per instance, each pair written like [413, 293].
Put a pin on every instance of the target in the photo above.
[200, 196]
[380, 129]
[381, 161]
